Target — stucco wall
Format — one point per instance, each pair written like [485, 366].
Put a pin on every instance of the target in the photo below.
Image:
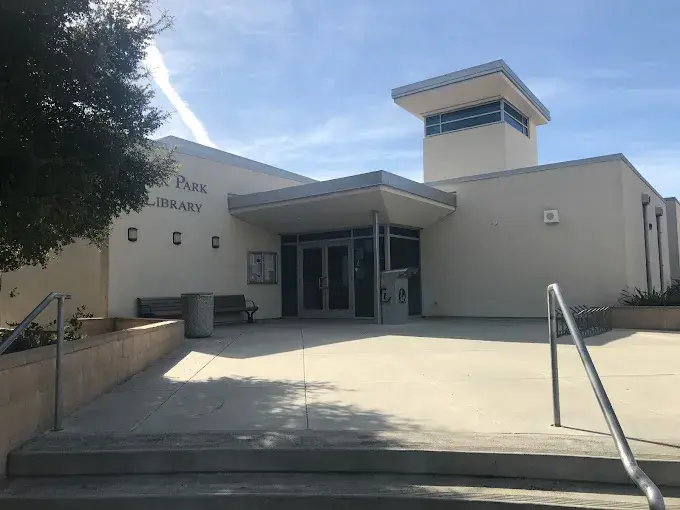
[495, 256]
[476, 151]
[520, 151]
[467, 152]
[80, 269]
[673, 227]
[633, 188]
[154, 266]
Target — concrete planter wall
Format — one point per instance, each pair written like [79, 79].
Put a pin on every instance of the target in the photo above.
[114, 350]
[646, 317]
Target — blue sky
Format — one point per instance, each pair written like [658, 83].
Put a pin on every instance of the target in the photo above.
[305, 85]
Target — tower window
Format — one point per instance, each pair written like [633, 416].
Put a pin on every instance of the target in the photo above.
[455, 120]
[480, 115]
[512, 116]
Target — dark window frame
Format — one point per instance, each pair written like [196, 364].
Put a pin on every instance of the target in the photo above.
[492, 112]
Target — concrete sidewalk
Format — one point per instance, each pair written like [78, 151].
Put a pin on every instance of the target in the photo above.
[429, 376]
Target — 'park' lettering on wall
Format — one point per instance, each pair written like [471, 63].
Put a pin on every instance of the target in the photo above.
[179, 205]
[182, 183]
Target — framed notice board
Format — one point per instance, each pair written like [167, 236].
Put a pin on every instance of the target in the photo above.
[262, 267]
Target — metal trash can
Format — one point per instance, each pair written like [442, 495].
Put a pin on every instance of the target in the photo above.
[394, 295]
[198, 313]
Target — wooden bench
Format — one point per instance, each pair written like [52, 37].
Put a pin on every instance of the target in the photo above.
[171, 307]
[166, 307]
[236, 303]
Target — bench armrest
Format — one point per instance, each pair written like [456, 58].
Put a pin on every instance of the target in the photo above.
[252, 304]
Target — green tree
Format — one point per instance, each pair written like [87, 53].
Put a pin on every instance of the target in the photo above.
[75, 121]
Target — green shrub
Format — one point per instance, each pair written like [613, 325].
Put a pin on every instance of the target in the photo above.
[639, 297]
[673, 294]
[41, 335]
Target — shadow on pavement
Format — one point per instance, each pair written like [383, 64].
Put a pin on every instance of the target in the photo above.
[251, 403]
[178, 394]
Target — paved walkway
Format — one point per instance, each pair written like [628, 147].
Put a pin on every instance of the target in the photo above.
[427, 376]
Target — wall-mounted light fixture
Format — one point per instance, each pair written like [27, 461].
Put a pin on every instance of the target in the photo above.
[176, 238]
[132, 234]
[215, 242]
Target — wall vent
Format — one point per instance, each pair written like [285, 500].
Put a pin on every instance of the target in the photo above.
[551, 216]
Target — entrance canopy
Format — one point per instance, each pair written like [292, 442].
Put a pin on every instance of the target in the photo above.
[345, 202]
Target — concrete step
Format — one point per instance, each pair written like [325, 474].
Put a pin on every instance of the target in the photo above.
[314, 492]
[532, 456]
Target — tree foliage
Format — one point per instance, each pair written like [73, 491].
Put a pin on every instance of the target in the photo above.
[75, 121]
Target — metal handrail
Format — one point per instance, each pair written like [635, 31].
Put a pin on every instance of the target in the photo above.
[650, 490]
[7, 343]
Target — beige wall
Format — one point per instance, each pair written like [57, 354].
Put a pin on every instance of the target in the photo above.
[633, 188]
[80, 269]
[673, 228]
[467, 152]
[90, 367]
[495, 256]
[520, 151]
[476, 151]
[154, 266]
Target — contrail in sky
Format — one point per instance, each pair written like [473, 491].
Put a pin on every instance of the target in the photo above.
[159, 71]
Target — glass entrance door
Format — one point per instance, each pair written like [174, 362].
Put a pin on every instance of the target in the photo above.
[312, 280]
[338, 280]
[326, 286]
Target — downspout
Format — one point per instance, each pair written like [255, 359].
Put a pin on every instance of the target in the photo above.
[659, 213]
[645, 203]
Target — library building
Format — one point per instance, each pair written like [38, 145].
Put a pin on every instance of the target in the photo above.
[482, 235]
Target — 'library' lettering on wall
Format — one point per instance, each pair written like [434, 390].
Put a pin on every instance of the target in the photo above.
[181, 183]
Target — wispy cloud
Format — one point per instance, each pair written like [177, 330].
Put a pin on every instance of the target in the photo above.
[549, 88]
[245, 17]
[340, 146]
[161, 75]
[602, 87]
[335, 133]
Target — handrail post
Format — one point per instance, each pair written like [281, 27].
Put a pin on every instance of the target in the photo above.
[58, 404]
[636, 474]
[552, 333]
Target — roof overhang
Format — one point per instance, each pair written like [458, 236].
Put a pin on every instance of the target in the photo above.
[469, 86]
[344, 203]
